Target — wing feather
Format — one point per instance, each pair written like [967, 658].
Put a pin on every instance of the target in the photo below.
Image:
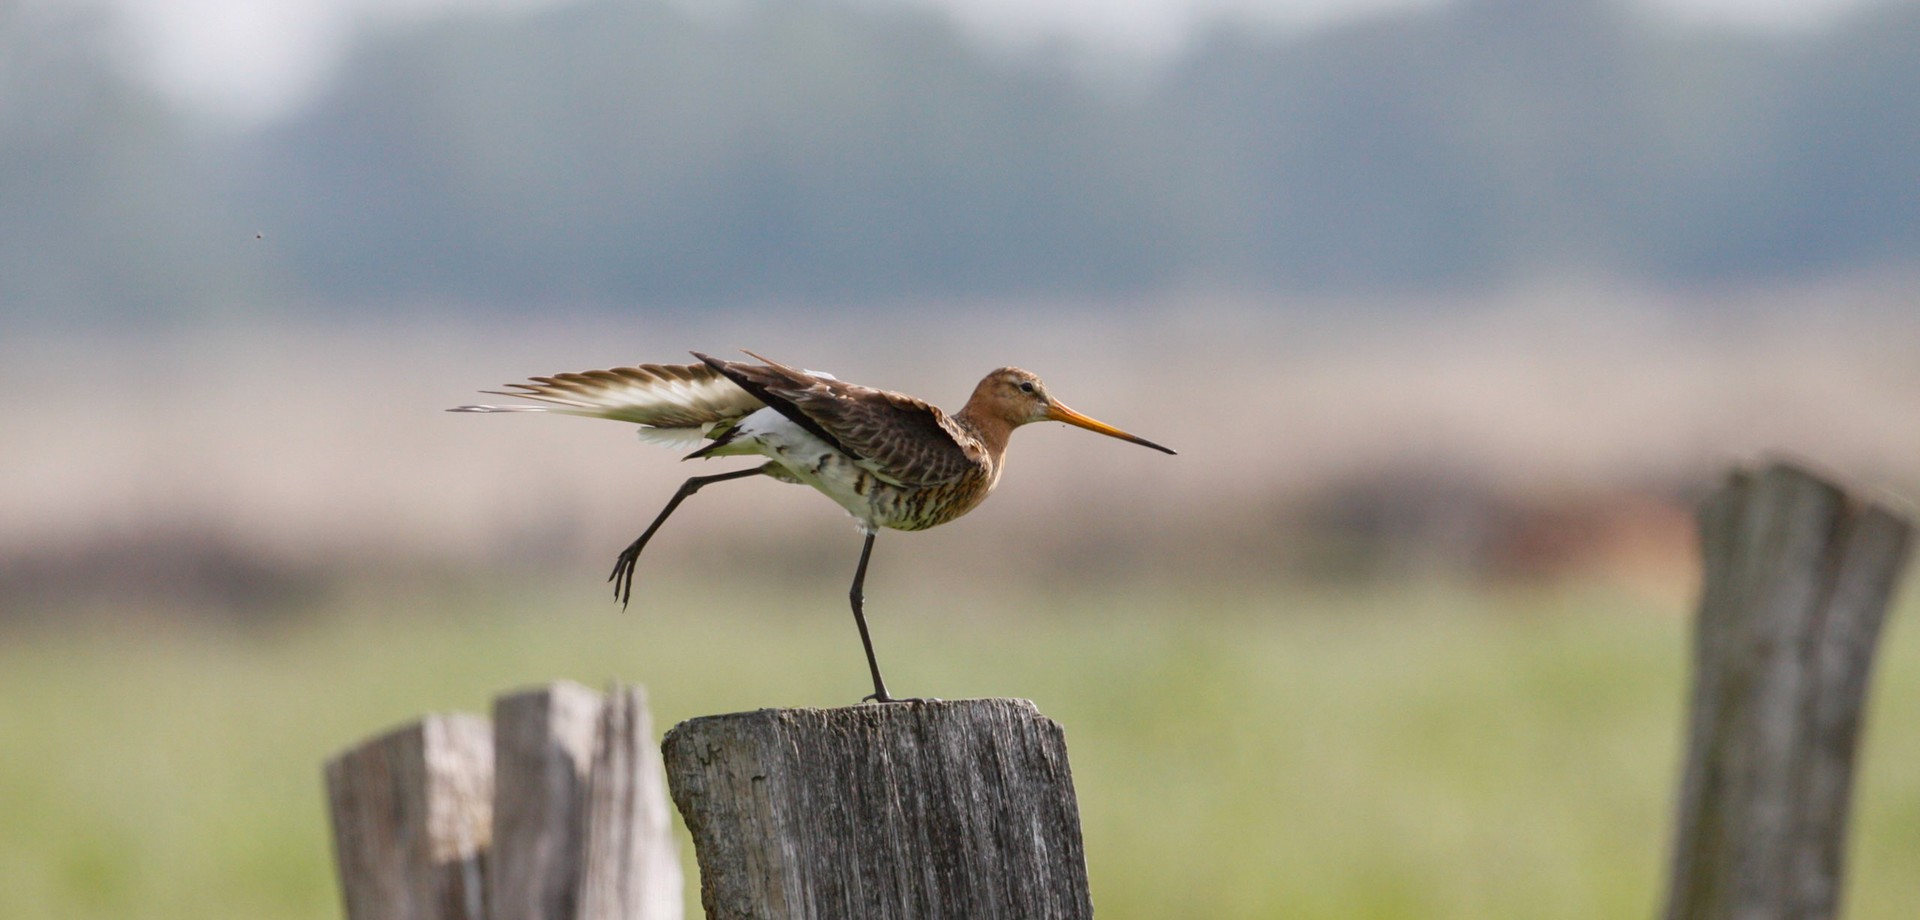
[656, 395]
[898, 437]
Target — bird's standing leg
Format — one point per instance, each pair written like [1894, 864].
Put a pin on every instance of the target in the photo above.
[857, 597]
[623, 567]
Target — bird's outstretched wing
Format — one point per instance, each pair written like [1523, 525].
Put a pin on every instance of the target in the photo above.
[664, 396]
[899, 438]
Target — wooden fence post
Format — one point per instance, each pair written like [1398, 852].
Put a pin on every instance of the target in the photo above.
[543, 750]
[1798, 576]
[557, 811]
[631, 864]
[411, 817]
[917, 811]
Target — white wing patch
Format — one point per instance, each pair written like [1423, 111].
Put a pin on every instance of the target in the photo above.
[673, 437]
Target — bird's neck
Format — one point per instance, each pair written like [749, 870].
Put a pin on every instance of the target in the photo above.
[992, 430]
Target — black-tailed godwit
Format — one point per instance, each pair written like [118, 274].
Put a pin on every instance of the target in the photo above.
[889, 459]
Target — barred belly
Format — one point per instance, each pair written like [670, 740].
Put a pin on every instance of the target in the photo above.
[911, 508]
[876, 502]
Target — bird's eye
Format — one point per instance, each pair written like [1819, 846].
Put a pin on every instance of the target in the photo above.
[1026, 386]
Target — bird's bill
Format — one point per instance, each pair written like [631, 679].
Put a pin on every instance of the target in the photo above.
[1060, 413]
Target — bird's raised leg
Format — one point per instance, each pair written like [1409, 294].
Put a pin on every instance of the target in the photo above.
[622, 576]
[858, 598]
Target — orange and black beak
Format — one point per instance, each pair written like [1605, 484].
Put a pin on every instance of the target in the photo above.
[1060, 413]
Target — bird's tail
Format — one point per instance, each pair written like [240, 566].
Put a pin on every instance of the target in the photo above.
[674, 403]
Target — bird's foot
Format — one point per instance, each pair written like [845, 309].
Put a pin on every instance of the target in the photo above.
[622, 576]
[882, 697]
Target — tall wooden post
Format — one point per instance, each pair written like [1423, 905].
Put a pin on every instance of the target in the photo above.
[543, 748]
[1798, 576]
[911, 811]
[630, 863]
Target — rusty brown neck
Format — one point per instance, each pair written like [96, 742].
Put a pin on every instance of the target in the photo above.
[991, 429]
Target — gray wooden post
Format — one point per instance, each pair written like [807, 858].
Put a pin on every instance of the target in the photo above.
[1798, 576]
[556, 812]
[630, 867]
[411, 816]
[542, 749]
[929, 810]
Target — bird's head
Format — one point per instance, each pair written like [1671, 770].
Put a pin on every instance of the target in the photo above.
[1018, 397]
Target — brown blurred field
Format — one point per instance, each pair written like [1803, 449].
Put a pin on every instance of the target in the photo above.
[1545, 432]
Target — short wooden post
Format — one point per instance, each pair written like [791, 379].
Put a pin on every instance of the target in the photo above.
[411, 817]
[555, 812]
[1798, 576]
[929, 810]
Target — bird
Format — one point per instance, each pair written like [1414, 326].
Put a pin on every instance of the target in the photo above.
[892, 461]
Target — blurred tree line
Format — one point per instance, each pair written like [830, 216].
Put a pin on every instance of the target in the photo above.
[627, 151]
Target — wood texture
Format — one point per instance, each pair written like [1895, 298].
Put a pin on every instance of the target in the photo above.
[412, 811]
[935, 810]
[630, 865]
[559, 812]
[1798, 577]
[543, 751]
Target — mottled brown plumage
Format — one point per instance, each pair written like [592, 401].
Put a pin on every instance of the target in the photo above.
[903, 439]
[891, 460]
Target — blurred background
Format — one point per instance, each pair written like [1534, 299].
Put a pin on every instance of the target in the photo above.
[1452, 307]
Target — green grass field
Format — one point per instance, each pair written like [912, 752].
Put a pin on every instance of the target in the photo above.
[1419, 754]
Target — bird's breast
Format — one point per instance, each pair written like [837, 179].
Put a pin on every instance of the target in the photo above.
[807, 459]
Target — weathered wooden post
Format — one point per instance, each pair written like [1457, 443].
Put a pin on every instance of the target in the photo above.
[543, 747]
[630, 864]
[916, 811]
[557, 811]
[1798, 576]
[411, 816]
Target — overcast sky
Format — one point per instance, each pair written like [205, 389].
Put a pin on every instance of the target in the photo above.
[250, 58]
